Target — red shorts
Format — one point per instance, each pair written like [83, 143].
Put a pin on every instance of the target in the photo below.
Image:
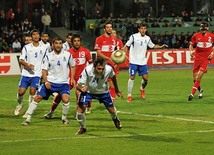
[200, 65]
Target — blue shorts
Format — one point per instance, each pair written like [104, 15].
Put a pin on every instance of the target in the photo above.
[105, 98]
[25, 82]
[58, 88]
[141, 69]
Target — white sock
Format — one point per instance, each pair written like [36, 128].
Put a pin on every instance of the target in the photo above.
[20, 99]
[130, 86]
[114, 114]
[32, 107]
[30, 99]
[65, 108]
[81, 119]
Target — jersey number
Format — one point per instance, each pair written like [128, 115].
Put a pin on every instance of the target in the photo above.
[58, 63]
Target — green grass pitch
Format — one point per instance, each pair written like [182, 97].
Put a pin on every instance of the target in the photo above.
[165, 123]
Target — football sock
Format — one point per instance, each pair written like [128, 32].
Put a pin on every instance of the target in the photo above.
[81, 119]
[143, 83]
[130, 86]
[114, 114]
[54, 106]
[20, 99]
[30, 99]
[65, 108]
[199, 88]
[195, 87]
[32, 107]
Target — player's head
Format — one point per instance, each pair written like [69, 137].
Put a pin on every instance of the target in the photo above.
[57, 45]
[99, 66]
[27, 39]
[114, 33]
[76, 41]
[68, 37]
[142, 28]
[204, 27]
[108, 28]
[44, 37]
[35, 35]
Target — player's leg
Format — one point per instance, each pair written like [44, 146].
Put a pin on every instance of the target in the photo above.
[23, 85]
[57, 99]
[112, 90]
[20, 96]
[143, 72]
[34, 83]
[32, 107]
[196, 84]
[65, 108]
[107, 101]
[198, 71]
[132, 73]
[83, 100]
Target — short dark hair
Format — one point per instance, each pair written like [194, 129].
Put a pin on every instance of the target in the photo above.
[106, 23]
[69, 34]
[75, 36]
[142, 25]
[99, 61]
[56, 38]
[34, 30]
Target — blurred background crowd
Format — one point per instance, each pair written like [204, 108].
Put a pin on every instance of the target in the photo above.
[170, 22]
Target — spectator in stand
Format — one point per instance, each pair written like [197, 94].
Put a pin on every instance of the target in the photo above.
[56, 13]
[162, 12]
[166, 24]
[36, 19]
[46, 20]
[18, 15]
[16, 46]
[155, 24]
[96, 11]
[10, 17]
[81, 19]
[4, 47]
[198, 18]
[148, 19]
[208, 19]
[73, 18]
[196, 23]
[186, 16]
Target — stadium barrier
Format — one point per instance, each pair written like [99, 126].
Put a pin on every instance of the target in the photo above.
[9, 62]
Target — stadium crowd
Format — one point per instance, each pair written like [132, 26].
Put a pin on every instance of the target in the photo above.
[14, 27]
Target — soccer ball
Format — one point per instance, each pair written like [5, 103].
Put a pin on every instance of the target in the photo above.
[118, 56]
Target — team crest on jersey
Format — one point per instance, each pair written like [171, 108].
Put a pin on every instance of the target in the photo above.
[40, 51]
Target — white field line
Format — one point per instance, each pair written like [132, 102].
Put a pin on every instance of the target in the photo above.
[168, 117]
[107, 136]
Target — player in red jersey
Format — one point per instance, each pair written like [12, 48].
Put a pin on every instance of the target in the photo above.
[203, 53]
[82, 57]
[105, 45]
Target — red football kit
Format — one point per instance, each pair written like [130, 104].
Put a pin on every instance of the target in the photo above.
[107, 45]
[204, 46]
[82, 56]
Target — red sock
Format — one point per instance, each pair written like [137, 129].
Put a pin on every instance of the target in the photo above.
[195, 87]
[56, 101]
[112, 92]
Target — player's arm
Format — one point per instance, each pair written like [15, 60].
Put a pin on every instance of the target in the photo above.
[44, 77]
[211, 54]
[26, 65]
[118, 92]
[72, 74]
[101, 55]
[162, 46]
[191, 50]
